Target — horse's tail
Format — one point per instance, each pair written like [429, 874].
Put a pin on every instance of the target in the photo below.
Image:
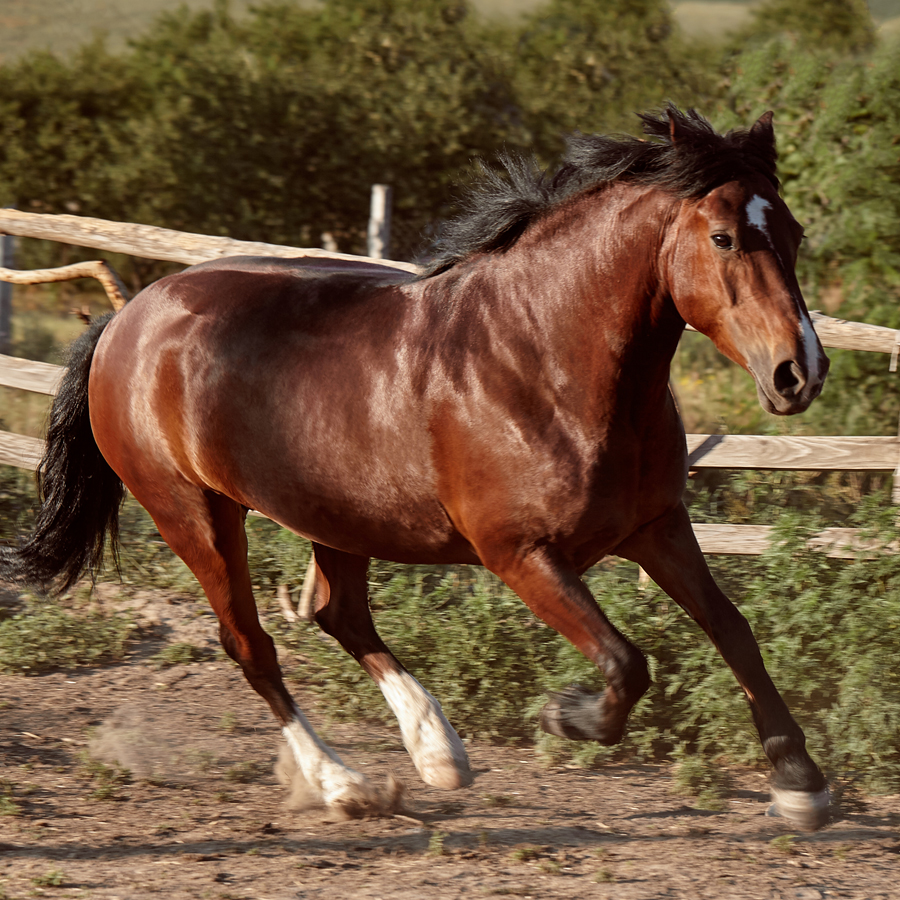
[80, 494]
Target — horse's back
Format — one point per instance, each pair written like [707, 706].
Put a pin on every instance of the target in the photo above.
[283, 386]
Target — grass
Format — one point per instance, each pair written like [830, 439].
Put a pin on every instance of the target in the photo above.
[178, 654]
[8, 806]
[525, 854]
[697, 777]
[784, 843]
[53, 634]
[106, 779]
[497, 800]
[245, 772]
[228, 723]
[828, 629]
[436, 844]
[53, 878]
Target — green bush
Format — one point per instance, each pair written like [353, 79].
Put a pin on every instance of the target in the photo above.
[828, 629]
[49, 636]
[829, 632]
[468, 638]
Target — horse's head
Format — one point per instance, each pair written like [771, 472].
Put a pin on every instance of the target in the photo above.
[731, 275]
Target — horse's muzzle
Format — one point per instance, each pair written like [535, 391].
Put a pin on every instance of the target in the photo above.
[791, 387]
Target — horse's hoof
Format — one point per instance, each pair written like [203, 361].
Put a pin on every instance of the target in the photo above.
[578, 715]
[803, 810]
[363, 800]
[446, 774]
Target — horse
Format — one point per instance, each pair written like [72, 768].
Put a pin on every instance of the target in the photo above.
[509, 407]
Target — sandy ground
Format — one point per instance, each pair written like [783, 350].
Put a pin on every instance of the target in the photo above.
[202, 814]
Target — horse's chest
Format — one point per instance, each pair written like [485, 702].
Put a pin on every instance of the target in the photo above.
[631, 481]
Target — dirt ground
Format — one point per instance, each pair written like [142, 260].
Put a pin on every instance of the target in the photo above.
[202, 814]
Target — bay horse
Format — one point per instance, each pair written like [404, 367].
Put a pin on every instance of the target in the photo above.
[509, 408]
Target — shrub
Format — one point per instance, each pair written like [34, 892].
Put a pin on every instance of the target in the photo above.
[47, 636]
[828, 630]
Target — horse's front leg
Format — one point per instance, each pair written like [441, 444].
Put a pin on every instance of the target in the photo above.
[668, 551]
[552, 589]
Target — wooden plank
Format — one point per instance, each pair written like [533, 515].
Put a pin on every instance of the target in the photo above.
[98, 268]
[733, 540]
[752, 451]
[840, 334]
[752, 540]
[150, 242]
[29, 375]
[20, 451]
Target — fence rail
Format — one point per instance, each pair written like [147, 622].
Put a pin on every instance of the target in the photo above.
[732, 451]
[150, 242]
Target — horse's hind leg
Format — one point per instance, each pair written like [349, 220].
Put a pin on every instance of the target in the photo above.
[668, 551]
[342, 610]
[207, 531]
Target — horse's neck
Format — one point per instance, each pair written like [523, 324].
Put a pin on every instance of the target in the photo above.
[595, 277]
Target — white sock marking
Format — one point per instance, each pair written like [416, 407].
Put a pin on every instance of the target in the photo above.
[322, 768]
[435, 748]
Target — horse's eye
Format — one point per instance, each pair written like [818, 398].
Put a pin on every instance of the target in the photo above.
[722, 241]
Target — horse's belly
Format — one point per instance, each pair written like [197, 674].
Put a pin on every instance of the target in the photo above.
[366, 508]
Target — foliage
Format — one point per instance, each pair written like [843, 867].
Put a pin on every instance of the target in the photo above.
[106, 779]
[48, 635]
[827, 629]
[590, 65]
[8, 806]
[180, 653]
[485, 682]
[273, 127]
[63, 124]
[836, 25]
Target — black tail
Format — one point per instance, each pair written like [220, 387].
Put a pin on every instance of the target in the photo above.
[80, 494]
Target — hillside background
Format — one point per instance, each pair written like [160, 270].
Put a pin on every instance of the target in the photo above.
[63, 25]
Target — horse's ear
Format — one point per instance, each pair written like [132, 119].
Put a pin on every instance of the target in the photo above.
[763, 131]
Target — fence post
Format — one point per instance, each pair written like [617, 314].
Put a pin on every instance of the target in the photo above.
[380, 222]
[7, 262]
[895, 488]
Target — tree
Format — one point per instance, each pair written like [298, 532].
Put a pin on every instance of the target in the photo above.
[836, 25]
[590, 65]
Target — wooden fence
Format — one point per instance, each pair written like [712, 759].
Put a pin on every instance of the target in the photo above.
[729, 451]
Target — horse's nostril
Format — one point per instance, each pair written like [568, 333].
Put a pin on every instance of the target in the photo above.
[789, 379]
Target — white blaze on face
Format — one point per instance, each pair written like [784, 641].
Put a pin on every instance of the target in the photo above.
[756, 214]
[756, 217]
[434, 746]
[810, 339]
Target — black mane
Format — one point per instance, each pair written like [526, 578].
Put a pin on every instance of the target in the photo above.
[699, 159]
